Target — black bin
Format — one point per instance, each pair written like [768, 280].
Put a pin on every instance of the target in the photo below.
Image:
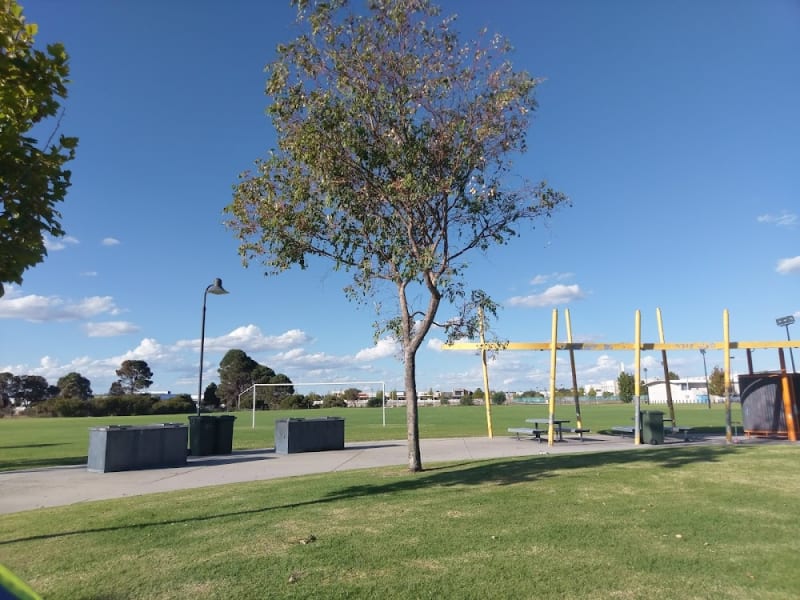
[210, 435]
[652, 427]
[224, 438]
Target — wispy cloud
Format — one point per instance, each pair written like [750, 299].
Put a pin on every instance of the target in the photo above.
[788, 265]
[110, 328]
[552, 296]
[542, 279]
[89, 274]
[250, 338]
[784, 219]
[56, 244]
[33, 307]
[110, 241]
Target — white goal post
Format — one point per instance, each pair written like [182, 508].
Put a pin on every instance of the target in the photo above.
[314, 383]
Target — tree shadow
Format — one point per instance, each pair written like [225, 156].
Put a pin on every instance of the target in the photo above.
[27, 464]
[29, 446]
[506, 471]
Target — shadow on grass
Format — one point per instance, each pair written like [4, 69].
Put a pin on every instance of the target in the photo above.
[508, 471]
[28, 446]
[23, 464]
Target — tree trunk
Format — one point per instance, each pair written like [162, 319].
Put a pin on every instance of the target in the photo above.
[412, 417]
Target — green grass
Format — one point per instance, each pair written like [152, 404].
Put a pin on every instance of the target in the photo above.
[673, 522]
[35, 442]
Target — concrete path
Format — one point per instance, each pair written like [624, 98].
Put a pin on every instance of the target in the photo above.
[57, 486]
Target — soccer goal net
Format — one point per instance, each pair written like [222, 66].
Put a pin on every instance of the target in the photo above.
[314, 394]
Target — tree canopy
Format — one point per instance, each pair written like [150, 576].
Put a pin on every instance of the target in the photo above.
[33, 179]
[74, 385]
[134, 376]
[395, 143]
[626, 384]
[238, 371]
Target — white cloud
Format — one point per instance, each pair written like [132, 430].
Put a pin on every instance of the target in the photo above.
[788, 265]
[250, 339]
[110, 241]
[785, 219]
[147, 350]
[554, 295]
[55, 244]
[435, 344]
[542, 279]
[110, 328]
[298, 358]
[53, 308]
[89, 274]
[385, 347]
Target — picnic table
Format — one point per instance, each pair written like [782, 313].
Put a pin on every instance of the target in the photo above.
[558, 423]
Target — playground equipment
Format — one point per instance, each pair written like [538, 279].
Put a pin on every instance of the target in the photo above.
[788, 386]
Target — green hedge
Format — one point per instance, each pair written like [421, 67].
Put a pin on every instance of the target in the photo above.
[114, 406]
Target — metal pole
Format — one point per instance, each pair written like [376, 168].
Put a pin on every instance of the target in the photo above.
[214, 288]
[486, 398]
[705, 371]
[637, 430]
[202, 341]
[791, 353]
[551, 410]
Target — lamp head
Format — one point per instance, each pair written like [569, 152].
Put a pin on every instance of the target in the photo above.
[216, 287]
[785, 321]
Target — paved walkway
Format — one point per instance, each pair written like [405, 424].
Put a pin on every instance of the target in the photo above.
[57, 486]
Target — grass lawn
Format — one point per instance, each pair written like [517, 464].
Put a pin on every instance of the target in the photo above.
[34, 442]
[673, 522]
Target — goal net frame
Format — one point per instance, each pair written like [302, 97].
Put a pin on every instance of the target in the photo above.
[255, 386]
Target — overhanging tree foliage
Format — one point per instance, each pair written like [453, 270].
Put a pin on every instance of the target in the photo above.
[395, 142]
[32, 179]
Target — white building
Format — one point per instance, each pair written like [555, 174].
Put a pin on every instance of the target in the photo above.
[684, 391]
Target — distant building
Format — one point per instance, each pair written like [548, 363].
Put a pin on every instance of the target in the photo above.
[684, 391]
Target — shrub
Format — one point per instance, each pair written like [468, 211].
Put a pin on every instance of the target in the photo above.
[331, 401]
[122, 406]
[177, 405]
[374, 402]
[69, 407]
[294, 401]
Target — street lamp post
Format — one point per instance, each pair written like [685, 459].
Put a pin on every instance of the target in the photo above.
[217, 289]
[785, 322]
[705, 371]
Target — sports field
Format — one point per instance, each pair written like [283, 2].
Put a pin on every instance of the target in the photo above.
[35, 442]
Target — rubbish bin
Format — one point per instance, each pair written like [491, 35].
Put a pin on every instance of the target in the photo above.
[125, 447]
[224, 438]
[652, 427]
[309, 435]
[202, 435]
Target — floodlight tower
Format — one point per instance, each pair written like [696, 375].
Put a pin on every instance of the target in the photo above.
[785, 322]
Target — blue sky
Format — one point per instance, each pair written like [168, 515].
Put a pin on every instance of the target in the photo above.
[672, 126]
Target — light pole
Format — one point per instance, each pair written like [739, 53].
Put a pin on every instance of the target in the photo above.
[705, 371]
[214, 288]
[785, 322]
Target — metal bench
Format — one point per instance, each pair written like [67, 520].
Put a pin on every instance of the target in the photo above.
[528, 431]
[623, 429]
[579, 430]
[679, 429]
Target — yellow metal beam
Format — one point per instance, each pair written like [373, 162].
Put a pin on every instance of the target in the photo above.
[548, 346]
